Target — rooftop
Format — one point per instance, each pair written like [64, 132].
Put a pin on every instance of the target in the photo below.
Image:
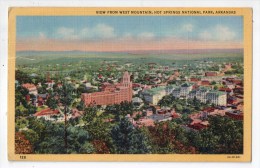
[45, 112]
[218, 93]
[155, 91]
[29, 86]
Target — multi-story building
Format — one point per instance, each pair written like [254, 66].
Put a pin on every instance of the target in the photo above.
[185, 89]
[110, 94]
[182, 91]
[154, 95]
[206, 95]
[200, 94]
[217, 97]
[176, 92]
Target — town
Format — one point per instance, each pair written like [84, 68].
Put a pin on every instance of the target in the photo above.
[177, 102]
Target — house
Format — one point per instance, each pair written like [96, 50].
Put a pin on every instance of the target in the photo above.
[211, 73]
[198, 125]
[147, 122]
[41, 99]
[76, 113]
[48, 114]
[50, 84]
[31, 88]
[205, 83]
[236, 114]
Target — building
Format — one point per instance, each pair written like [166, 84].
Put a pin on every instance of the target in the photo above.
[31, 88]
[154, 95]
[182, 91]
[237, 115]
[217, 98]
[176, 92]
[110, 94]
[211, 73]
[48, 114]
[205, 82]
[50, 84]
[137, 101]
[204, 94]
[200, 94]
[185, 89]
[171, 88]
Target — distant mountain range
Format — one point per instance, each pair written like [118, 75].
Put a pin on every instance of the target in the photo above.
[194, 51]
[136, 52]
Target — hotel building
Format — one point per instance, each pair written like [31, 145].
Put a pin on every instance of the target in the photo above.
[110, 94]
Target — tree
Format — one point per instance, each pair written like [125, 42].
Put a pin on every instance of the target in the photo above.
[167, 101]
[20, 111]
[48, 137]
[224, 136]
[127, 139]
[179, 108]
[52, 101]
[65, 94]
[208, 141]
[31, 135]
[87, 148]
[80, 106]
[120, 110]
[230, 133]
[22, 77]
[20, 94]
[77, 136]
[213, 83]
[81, 89]
[169, 137]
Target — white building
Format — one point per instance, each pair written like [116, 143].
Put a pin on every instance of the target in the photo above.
[217, 97]
[176, 92]
[185, 89]
[206, 95]
[154, 95]
[200, 94]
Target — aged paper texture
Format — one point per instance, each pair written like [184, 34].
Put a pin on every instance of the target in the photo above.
[130, 84]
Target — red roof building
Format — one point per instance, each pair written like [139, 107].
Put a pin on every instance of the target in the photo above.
[225, 89]
[76, 113]
[31, 88]
[211, 74]
[193, 79]
[111, 94]
[197, 126]
[46, 112]
[209, 109]
[205, 82]
[235, 115]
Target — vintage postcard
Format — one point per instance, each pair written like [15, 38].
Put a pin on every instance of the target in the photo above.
[130, 84]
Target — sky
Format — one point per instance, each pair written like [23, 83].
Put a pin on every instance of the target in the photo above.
[128, 33]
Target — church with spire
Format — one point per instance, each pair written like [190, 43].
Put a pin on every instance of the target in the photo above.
[111, 93]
